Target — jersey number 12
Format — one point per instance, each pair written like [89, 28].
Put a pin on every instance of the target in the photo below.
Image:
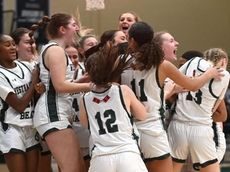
[110, 117]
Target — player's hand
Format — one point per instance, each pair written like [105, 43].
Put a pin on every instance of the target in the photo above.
[40, 88]
[215, 73]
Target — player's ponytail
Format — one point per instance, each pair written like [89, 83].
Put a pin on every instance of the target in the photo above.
[40, 24]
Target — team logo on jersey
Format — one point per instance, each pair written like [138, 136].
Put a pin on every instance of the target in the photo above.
[22, 88]
[105, 99]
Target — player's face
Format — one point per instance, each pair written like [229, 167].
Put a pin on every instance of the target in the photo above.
[24, 48]
[119, 38]
[89, 42]
[7, 50]
[73, 55]
[169, 46]
[125, 22]
[71, 30]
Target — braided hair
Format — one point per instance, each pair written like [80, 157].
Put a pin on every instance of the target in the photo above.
[215, 55]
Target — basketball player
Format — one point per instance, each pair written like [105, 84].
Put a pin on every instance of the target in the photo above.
[147, 80]
[18, 141]
[106, 111]
[53, 108]
[190, 130]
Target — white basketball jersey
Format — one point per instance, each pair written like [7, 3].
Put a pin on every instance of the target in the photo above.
[78, 73]
[110, 123]
[81, 131]
[196, 106]
[52, 106]
[16, 80]
[145, 85]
